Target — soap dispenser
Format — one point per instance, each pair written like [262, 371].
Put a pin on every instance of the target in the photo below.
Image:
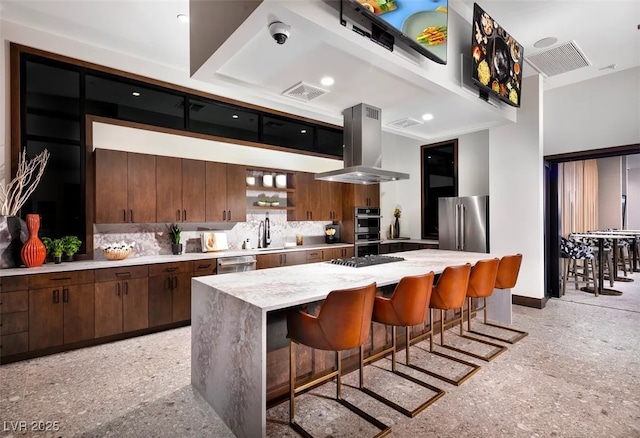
[246, 244]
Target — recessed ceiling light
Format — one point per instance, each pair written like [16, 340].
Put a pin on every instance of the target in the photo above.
[235, 116]
[429, 157]
[136, 94]
[303, 131]
[427, 116]
[183, 18]
[545, 42]
[327, 81]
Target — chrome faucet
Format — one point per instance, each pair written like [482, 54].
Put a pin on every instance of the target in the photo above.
[267, 230]
[260, 234]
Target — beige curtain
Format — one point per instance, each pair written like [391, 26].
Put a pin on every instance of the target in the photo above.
[579, 196]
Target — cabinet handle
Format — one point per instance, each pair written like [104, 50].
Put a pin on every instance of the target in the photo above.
[168, 282]
[171, 269]
[175, 282]
[124, 215]
[184, 215]
[126, 288]
[118, 289]
[285, 258]
[177, 215]
[56, 296]
[123, 274]
[224, 215]
[131, 214]
[229, 215]
[65, 295]
[204, 266]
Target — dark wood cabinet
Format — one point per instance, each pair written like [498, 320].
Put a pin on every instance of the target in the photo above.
[366, 195]
[337, 253]
[125, 187]
[193, 190]
[180, 190]
[169, 293]
[265, 261]
[315, 200]
[121, 306]
[14, 316]
[60, 315]
[225, 198]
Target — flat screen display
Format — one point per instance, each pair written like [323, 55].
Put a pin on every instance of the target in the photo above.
[497, 58]
[421, 23]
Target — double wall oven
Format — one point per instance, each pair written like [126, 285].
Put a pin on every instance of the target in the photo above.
[367, 231]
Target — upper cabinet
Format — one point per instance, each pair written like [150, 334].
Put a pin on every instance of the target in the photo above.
[125, 187]
[180, 189]
[225, 198]
[315, 200]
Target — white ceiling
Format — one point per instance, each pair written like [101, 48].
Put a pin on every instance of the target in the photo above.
[606, 31]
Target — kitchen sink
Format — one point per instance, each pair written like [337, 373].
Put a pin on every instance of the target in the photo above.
[271, 248]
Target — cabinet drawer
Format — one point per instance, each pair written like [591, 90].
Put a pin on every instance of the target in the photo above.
[14, 323]
[10, 284]
[170, 268]
[123, 273]
[204, 267]
[314, 256]
[14, 344]
[61, 279]
[14, 302]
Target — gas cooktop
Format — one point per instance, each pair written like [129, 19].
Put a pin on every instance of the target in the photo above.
[368, 260]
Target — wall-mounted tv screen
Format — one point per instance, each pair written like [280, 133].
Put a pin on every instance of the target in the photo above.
[497, 59]
[420, 24]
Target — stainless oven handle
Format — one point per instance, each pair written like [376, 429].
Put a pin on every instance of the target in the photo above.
[368, 216]
[367, 242]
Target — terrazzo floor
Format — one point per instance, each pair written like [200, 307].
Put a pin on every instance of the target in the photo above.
[577, 374]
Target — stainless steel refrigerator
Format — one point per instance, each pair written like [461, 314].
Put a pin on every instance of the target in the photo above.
[463, 223]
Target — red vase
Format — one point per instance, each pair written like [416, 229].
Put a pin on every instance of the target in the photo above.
[33, 252]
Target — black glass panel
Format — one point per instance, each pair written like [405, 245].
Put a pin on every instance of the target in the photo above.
[330, 141]
[439, 177]
[223, 120]
[131, 101]
[58, 198]
[290, 134]
[51, 89]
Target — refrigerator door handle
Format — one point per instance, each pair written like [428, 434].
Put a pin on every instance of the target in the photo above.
[462, 227]
[457, 227]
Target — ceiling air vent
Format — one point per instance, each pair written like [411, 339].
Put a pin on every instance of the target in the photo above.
[304, 92]
[405, 123]
[560, 59]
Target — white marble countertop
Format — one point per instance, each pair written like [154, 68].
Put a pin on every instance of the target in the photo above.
[80, 265]
[428, 241]
[279, 288]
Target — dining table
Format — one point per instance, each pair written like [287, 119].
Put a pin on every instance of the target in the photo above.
[635, 235]
[601, 236]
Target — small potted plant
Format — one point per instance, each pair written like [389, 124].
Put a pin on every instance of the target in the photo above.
[57, 248]
[71, 246]
[174, 236]
[47, 245]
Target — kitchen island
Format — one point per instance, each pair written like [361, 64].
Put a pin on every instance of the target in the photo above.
[229, 324]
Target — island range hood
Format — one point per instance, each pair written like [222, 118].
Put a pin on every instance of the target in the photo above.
[362, 149]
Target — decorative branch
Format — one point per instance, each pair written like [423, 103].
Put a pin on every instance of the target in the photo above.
[15, 194]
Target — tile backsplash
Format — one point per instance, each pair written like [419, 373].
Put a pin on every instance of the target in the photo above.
[152, 239]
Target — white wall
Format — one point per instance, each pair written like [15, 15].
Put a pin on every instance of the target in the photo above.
[593, 114]
[516, 190]
[473, 164]
[610, 192]
[633, 199]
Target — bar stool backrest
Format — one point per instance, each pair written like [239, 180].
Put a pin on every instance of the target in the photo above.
[451, 289]
[483, 278]
[410, 300]
[508, 271]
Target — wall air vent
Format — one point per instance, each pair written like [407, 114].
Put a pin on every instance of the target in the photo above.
[304, 92]
[405, 123]
[557, 60]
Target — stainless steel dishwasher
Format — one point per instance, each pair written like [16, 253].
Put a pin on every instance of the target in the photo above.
[227, 265]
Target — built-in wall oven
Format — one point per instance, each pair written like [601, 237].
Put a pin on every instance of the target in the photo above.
[367, 231]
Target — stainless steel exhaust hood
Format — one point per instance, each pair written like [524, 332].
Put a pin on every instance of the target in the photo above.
[362, 149]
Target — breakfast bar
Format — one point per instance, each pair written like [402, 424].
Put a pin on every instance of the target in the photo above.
[229, 323]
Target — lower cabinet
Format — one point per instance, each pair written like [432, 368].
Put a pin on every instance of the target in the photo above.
[338, 253]
[60, 315]
[265, 261]
[121, 306]
[14, 316]
[170, 293]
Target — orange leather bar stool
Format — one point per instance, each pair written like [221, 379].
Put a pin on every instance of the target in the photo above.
[407, 306]
[506, 278]
[342, 324]
[448, 293]
[481, 283]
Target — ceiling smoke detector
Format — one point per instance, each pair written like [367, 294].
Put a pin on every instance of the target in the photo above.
[557, 60]
[304, 92]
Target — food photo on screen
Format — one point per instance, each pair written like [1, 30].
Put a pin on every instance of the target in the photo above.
[497, 58]
[422, 21]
